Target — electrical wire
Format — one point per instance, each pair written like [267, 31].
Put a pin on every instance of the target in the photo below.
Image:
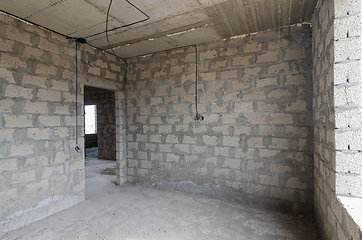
[77, 149]
[127, 25]
[198, 116]
[107, 37]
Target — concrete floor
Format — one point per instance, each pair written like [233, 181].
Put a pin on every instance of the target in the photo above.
[132, 212]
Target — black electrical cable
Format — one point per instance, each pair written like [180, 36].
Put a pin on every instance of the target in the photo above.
[127, 25]
[107, 37]
[198, 116]
[77, 149]
[109, 44]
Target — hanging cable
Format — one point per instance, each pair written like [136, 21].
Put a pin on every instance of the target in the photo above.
[127, 25]
[109, 44]
[198, 116]
[77, 149]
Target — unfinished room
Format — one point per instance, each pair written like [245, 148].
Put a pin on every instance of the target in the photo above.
[180, 119]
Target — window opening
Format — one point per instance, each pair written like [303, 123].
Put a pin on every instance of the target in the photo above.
[90, 118]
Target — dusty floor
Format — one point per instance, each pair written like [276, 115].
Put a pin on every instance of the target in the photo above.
[132, 212]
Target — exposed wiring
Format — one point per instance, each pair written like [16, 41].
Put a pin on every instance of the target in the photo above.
[198, 116]
[127, 25]
[77, 149]
[109, 44]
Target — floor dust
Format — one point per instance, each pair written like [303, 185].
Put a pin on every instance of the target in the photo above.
[132, 212]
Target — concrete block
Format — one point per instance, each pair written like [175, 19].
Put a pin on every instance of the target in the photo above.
[218, 64]
[254, 95]
[279, 143]
[49, 121]
[279, 169]
[268, 153]
[141, 155]
[7, 75]
[61, 156]
[215, 108]
[170, 157]
[60, 85]
[155, 120]
[229, 118]
[279, 44]
[36, 107]
[347, 27]
[296, 106]
[230, 74]
[264, 82]
[348, 72]
[348, 185]
[233, 96]
[8, 195]
[22, 177]
[12, 62]
[253, 47]
[8, 165]
[232, 163]
[279, 68]
[141, 138]
[295, 79]
[251, 72]
[255, 118]
[295, 183]
[243, 107]
[76, 165]
[38, 133]
[48, 46]
[231, 141]
[47, 70]
[161, 92]
[7, 45]
[279, 93]
[209, 54]
[281, 118]
[172, 139]
[34, 53]
[17, 121]
[210, 140]
[15, 91]
[52, 170]
[6, 105]
[228, 52]
[269, 180]
[241, 153]
[255, 142]
[49, 95]
[343, 50]
[294, 54]
[267, 130]
[267, 57]
[346, 8]
[251, 165]
[242, 61]
[263, 106]
[348, 162]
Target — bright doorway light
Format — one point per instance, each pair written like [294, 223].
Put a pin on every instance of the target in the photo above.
[90, 116]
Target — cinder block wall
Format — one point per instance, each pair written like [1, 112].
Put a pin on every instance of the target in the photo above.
[336, 113]
[40, 172]
[106, 120]
[255, 141]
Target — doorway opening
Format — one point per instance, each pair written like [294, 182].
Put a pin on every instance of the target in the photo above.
[100, 123]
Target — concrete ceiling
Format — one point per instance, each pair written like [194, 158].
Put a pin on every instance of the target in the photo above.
[172, 23]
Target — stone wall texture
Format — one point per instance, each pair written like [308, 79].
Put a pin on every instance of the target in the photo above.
[336, 115]
[255, 141]
[40, 171]
[106, 120]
